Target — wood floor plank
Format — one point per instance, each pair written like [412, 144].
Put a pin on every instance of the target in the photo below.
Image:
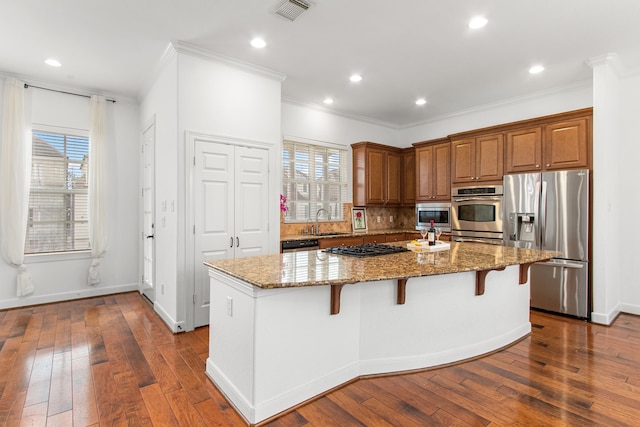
[40, 380]
[159, 409]
[61, 390]
[185, 413]
[85, 407]
[131, 399]
[128, 368]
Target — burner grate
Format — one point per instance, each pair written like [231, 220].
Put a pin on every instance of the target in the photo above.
[366, 250]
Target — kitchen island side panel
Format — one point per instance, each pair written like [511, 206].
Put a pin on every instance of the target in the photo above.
[281, 347]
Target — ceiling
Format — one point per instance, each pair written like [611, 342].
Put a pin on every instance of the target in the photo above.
[403, 49]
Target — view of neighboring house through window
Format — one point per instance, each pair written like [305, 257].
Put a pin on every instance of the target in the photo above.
[313, 177]
[58, 200]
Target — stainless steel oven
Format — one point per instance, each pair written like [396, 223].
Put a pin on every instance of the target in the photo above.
[476, 214]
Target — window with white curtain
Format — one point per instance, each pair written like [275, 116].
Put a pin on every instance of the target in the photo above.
[58, 201]
[313, 177]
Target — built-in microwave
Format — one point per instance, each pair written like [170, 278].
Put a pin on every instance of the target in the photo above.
[440, 213]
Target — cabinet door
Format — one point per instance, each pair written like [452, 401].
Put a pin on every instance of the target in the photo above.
[375, 171]
[524, 150]
[566, 145]
[339, 241]
[463, 160]
[442, 172]
[395, 237]
[373, 238]
[424, 173]
[409, 177]
[489, 157]
[393, 190]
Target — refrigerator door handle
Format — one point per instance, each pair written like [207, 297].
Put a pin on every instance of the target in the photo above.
[561, 263]
[543, 213]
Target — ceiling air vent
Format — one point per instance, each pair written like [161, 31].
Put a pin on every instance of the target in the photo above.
[291, 9]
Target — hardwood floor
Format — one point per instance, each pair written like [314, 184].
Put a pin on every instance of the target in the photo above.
[111, 361]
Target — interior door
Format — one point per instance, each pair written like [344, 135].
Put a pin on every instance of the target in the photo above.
[230, 210]
[214, 199]
[147, 285]
[251, 208]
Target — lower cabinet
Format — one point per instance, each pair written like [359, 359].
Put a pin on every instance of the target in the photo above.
[369, 238]
[339, 241]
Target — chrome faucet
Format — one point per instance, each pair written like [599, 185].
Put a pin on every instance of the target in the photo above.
[317, 231]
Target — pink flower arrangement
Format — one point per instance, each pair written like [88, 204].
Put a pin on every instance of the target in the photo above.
[283, 203]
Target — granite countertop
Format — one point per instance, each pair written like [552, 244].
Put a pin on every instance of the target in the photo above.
[314, 268]
[347, 234]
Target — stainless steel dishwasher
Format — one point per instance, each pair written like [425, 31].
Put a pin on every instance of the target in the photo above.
[299, 245]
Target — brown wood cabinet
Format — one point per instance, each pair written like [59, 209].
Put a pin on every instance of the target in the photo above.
[477, 159]
[557, 145]
[339, 241]
[433, 170]
[524, 150]
[566, 144]
[409, 176]
[395, 237]
[376, 174]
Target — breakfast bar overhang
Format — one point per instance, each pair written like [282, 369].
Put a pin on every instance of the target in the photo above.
[285, 328]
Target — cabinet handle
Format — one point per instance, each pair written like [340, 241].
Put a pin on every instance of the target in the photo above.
[537, 166]
[548, 165]
[231, 245]
[237, 241]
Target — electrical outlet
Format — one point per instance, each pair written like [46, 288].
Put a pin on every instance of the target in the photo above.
[390, 218]
[379, 219]
[229, 306]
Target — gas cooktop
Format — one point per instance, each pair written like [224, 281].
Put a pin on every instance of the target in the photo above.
[365, 250]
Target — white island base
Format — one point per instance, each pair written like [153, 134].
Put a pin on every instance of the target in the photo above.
[271, 349]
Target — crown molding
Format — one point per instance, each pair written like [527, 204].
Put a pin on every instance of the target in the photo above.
[364, 119]
[192, 50]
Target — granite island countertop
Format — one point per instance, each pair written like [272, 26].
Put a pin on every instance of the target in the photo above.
[316, 268]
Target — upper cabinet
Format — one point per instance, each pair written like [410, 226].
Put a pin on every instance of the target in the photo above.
[376, 174]
[433, 170]
[477, 159]
[552, 145]
[408, 175]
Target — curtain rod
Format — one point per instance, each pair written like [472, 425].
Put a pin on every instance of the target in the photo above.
[26, 86]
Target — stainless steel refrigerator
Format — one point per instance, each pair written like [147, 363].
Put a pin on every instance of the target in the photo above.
[550, 210]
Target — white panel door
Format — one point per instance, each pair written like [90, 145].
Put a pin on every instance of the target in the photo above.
[230, 203]
[214, 236]
[252, 198]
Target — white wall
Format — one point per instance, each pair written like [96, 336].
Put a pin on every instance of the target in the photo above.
[541, 104]
[305, 123]
[61, 277]
[197, 92]
[160, 107]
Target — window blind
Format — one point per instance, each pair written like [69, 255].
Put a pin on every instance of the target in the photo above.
[313, 177]
[58, 200]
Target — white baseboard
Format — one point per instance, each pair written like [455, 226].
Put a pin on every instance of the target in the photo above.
[606, 318]
[173, 325]
[90, 291]
[630, 308]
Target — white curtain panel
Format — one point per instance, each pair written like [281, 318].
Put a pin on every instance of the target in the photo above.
[98, 185]
[16, 177]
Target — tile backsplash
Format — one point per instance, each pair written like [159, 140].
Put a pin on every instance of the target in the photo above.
[390, 218]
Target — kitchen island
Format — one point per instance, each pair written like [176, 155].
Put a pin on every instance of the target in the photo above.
[287, 327]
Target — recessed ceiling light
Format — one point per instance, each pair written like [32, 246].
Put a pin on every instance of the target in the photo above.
[421, 101]
[478, 22]
[258, 43]
[355, 78]
[53, 62]
[536, 69]
[328, 101]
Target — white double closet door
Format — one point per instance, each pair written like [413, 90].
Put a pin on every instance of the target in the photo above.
[231, 218]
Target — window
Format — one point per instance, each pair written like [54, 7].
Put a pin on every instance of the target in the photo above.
[313, 177]
[58, 200]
